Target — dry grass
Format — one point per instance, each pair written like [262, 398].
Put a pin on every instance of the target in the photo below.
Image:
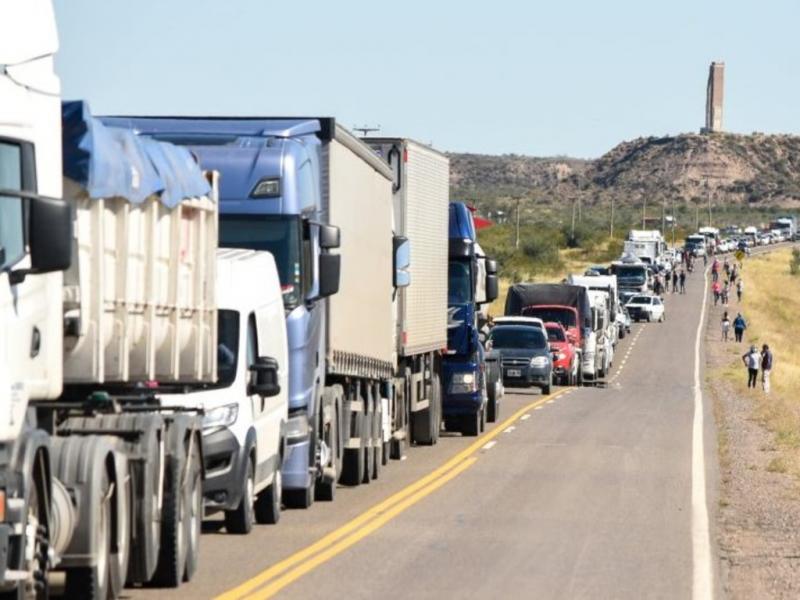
[771, 306]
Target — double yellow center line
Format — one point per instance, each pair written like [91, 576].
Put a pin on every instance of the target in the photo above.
[272, 580]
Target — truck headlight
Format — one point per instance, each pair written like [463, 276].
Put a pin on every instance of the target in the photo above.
[463, 383]
[539, 361]
[297, 426]
[222, 416]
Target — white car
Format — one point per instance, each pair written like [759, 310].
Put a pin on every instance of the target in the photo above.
[646, 307]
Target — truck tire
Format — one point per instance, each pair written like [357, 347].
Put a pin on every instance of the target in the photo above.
[240, 520]
[353, 458]
[92, 583]
[302, 498]
[483, 419]
[368, 439]
[122, 502]
[471, 424]
[268, 503]
[37, 567]
[194, 512]
[426, 423]
[492, 406]
[377, 436]
[172, 555]
[325, 490]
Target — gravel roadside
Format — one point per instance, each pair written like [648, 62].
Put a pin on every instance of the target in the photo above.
[758, 521]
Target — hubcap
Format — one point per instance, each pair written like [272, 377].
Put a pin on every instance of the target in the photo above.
[102, 555]
[194, 515]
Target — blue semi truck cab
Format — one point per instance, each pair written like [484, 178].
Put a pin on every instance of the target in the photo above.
[472, 281]
[271, 199]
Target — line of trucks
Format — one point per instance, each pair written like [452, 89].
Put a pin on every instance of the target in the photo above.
[211, 315]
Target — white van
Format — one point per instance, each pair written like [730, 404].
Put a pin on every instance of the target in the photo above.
[245, 412]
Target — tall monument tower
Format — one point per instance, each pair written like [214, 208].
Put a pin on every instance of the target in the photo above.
[714, 97]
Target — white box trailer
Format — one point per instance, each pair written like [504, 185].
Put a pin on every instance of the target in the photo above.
[357, 192]
[421, 208]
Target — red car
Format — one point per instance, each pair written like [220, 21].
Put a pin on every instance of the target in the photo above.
[565, 360]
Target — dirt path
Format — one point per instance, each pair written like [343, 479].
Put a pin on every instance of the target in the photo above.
[758, 521]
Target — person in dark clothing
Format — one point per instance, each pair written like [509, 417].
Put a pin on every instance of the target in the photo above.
[682, 278]
[766, 367]
[739, 325]
[675, 281]
[751, 360]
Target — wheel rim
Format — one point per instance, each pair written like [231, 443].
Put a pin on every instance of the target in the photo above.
[32, 565]
[278, 485]
[249, 486]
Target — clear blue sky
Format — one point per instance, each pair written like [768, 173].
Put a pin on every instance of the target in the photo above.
[541, 78]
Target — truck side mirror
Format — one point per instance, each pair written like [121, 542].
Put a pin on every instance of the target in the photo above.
[402, 261]
[329, 274]
[264, 378]
[491, 266]
[492, 288]
[329, 237]
[49, 236]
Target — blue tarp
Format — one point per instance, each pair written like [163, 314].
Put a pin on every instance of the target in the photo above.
[115, 162]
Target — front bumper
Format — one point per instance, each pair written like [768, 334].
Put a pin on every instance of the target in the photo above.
[528, 376]
[225, 462]
[295, 472]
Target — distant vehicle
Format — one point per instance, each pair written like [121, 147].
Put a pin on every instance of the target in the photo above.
[531, 321]
[525, 356]
[597, 270]
[623, 322]
[565, 359]
[648, 308]
[631, 274]
[646, 245]
[695, 245]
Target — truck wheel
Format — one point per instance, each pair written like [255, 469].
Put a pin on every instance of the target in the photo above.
[194, 513]
[325, 489]
[92, 583]
[492, 406]
[172, 557]
[483, 419]
[268, 503]
[303, 498]
[368, 440]
[120, 558]
[240, 520]
[36, 587]
[353, 458]
[471, 425]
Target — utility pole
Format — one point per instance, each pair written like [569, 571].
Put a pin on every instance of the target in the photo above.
[516, 237]
[611, 228]
[663, 217]
[644, 211]
[697, 216]
[708, 197]
[673, 221]
[574, 207]
[366, 129]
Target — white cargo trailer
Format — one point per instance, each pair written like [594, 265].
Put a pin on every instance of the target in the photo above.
[421, 196]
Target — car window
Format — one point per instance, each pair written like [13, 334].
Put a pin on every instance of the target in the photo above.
[517, 337]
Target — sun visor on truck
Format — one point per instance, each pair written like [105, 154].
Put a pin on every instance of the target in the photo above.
[114, 162]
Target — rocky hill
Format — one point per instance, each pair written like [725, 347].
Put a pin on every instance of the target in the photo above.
[757, 170]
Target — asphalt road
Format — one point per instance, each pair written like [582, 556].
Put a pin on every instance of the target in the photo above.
[585, 496]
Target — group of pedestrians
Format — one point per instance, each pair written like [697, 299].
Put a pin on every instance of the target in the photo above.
[753, 359]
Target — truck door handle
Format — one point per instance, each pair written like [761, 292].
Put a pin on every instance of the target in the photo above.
[36, 342]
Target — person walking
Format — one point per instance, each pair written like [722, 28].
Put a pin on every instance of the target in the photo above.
[724, 294]
[682, 279]
[675, 281]
[766, 367]
[667, 277]
[715, 271]
[751, 360]
[716, 290]
[739, 290]
[739, 325]
[726, 326]
[657, 285]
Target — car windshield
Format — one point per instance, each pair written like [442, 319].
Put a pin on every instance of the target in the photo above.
[640, 300]
[555, 334]
[279, 235]
[558, 315]
[227, 346]
[517, 338]
[459, 290]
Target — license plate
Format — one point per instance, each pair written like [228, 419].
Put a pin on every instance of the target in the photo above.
[513, 372]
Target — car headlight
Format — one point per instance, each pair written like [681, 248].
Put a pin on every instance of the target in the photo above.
[297, 426]
[222, 416]
[560, 356]
[539, 361]
[463, 383]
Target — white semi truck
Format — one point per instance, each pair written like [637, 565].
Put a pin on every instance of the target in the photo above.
[106, 291]
[646, 245]
[602, 291]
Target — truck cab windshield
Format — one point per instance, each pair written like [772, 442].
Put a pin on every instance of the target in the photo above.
[279, 235]
[630, 274]
[459, 282]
